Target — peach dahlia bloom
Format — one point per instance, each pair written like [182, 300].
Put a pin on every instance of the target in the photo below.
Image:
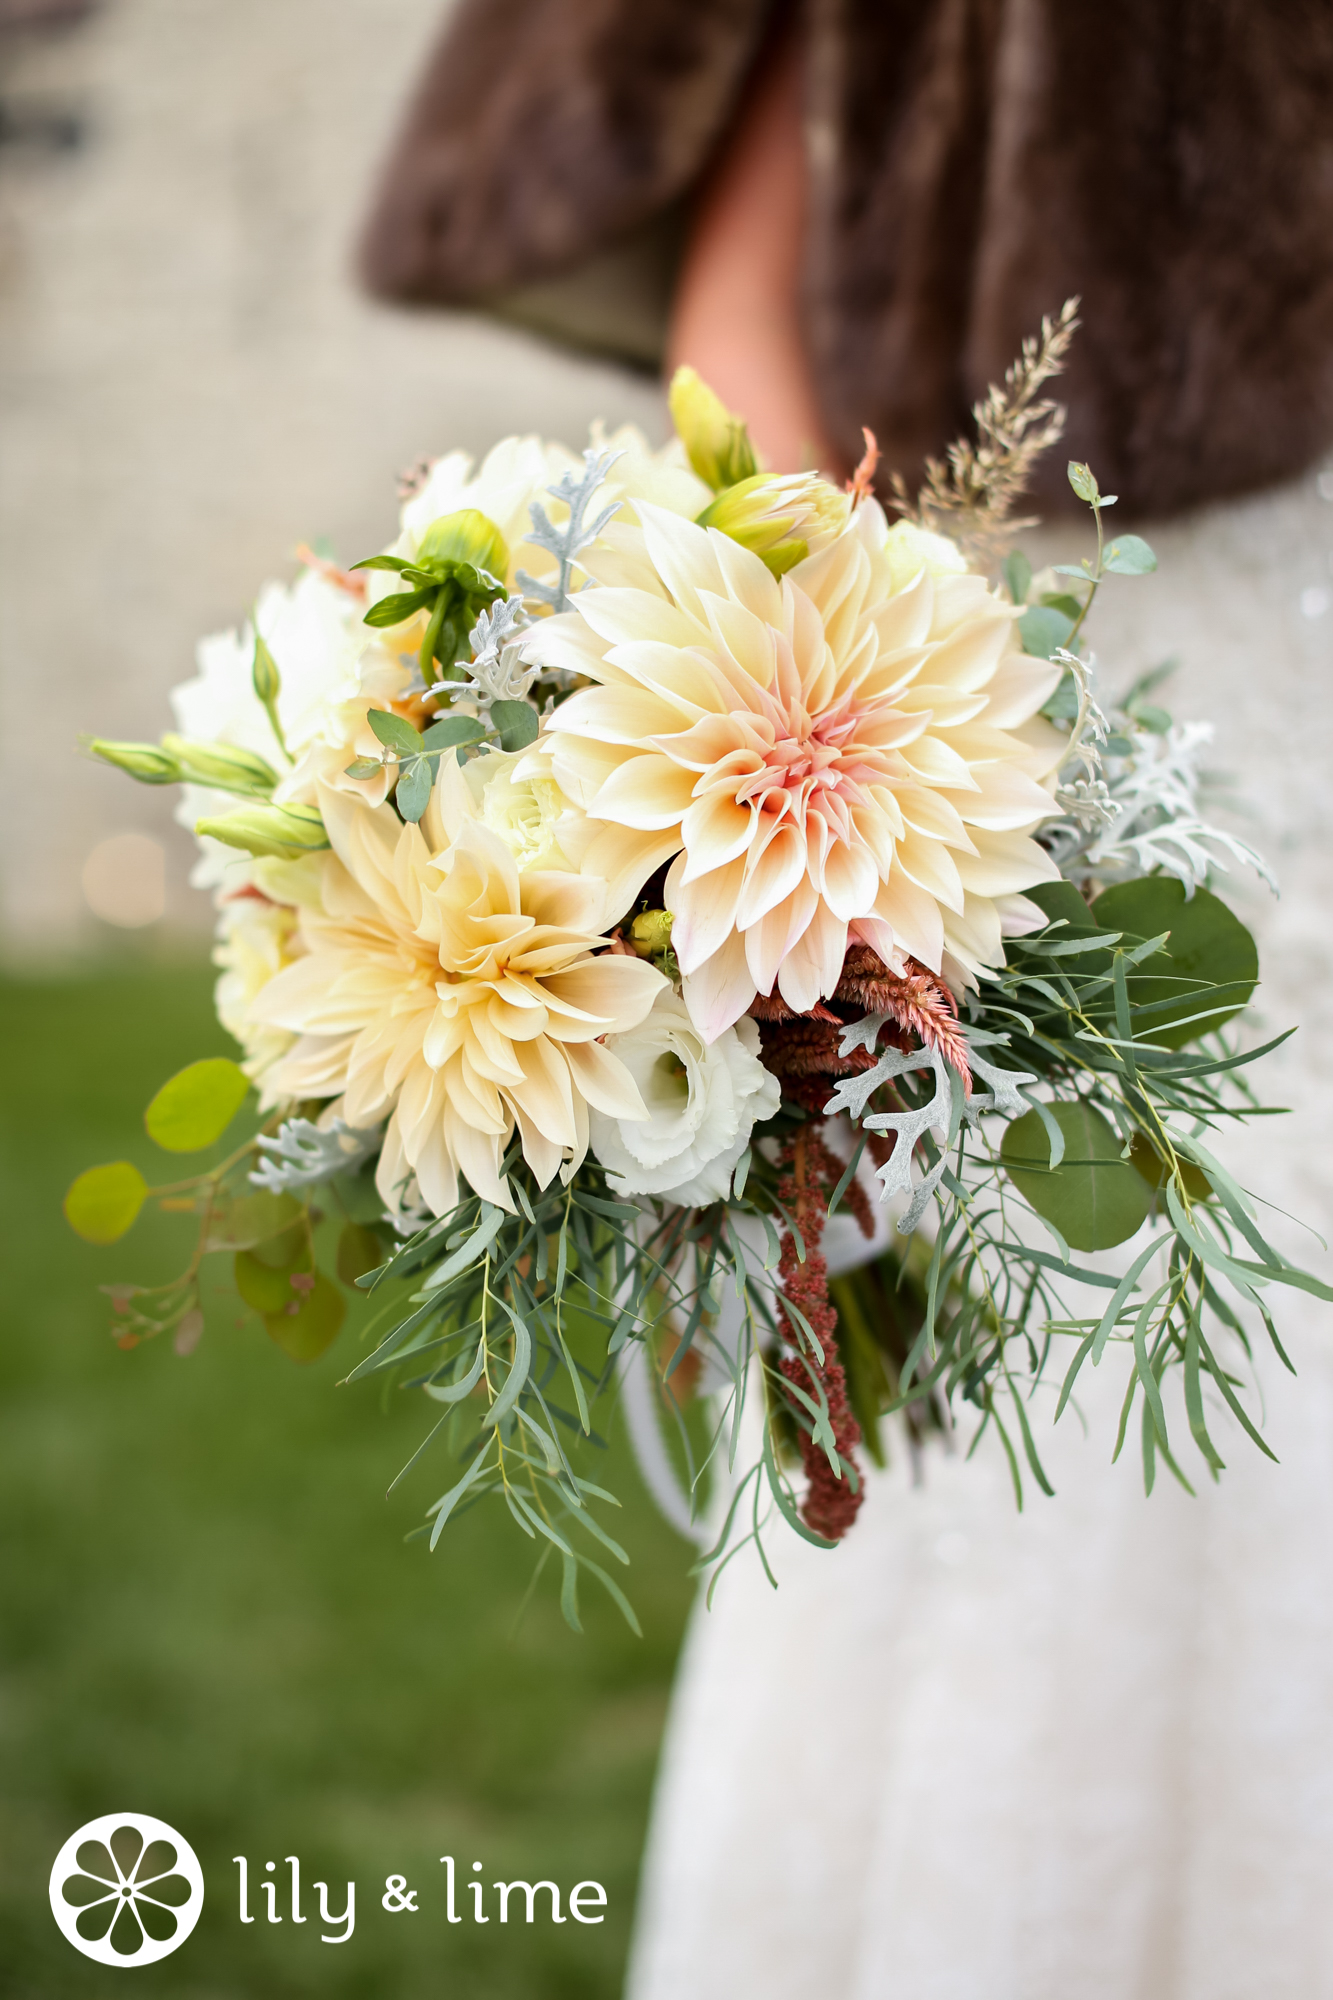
[853, 751]
[443, 989]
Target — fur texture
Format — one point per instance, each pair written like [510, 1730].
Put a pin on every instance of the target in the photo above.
[543, 130]
[972, 162]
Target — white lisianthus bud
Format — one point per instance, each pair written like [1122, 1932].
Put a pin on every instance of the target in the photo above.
[285, 831]
[703, 1099]
[221, 765]
[148, 762]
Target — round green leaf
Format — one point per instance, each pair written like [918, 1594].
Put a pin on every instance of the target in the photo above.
[104, 1202]
[1043, 629]
[1152, 1166]
[394, 732]
[305, 1333]
[414, 787]
[1094, 1198]
[262, 1286]
[287, 1251]
[1207, 942]
[195, 1107]
[1129, 555]
[253, 1219]
[515, 722]
[359, 1251]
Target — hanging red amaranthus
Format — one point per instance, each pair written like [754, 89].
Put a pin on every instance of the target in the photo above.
[831, 1502]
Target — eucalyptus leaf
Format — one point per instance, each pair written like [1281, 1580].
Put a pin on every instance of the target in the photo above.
[1094, 1198]
[1084, 482]
[1129, 555]
[453, 729]
[1017, 576]
[289, 1250]
[1207, 943]
[1061, 900]
[414, 788]
[195, 1107]
[1044, 631]
[515, 722]
[394, 732]
[252, 1219]
[1153, 1167]
[105, 1201]
[307, 1332]
[364, 767]
[359, 1251]
[267, 1290]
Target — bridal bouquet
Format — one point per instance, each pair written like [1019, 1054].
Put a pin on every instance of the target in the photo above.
[689, 937]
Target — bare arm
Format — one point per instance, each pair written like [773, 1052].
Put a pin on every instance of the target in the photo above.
[736, 314]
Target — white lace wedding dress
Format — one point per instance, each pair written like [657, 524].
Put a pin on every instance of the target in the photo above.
[1085, 1753]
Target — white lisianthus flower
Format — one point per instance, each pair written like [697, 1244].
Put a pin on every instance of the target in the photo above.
[703, 1099]
[331, 667]
[518, 472]
[906, 550]
[254, 944]
[257, 938]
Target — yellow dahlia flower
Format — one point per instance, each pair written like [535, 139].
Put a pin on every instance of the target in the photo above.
[830, 754]
[444, 990]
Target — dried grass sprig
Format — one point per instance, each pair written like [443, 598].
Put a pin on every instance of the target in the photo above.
[971, 495]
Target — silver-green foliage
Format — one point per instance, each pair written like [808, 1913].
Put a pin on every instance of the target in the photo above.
[1135, 1074]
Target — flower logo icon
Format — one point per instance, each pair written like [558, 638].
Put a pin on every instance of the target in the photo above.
[126, 1889]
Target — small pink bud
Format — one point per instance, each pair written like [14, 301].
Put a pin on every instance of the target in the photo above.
[189, 1332]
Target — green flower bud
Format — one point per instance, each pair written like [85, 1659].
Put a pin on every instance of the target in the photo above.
[219, 765]
[147, 762]
[467, 537]
[284, 831]
[716, 442]
[780, 517]
[650, 933]
[267, 680]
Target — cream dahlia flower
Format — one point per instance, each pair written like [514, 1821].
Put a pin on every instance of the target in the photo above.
[445, 990]
[833, 754]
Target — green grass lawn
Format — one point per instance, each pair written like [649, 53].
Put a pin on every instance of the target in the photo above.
[209, 1612]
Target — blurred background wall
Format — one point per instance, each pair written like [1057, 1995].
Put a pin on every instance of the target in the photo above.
[192, 384]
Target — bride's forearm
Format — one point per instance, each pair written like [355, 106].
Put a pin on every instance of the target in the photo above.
[736, 314]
